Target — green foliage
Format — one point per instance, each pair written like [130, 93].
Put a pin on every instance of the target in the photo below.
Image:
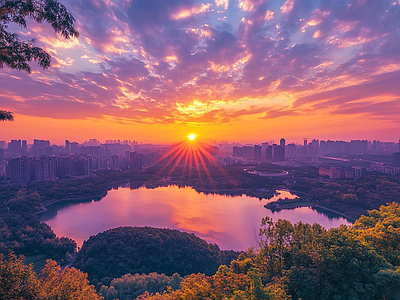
[6, 115]
[15, 53]
[351, 197]
[130, 286]
[340, 263]
[24, 234]
[382, 230]
[226, 284]
[123, 250]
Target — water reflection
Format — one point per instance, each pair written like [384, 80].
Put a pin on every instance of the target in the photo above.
[230, 222]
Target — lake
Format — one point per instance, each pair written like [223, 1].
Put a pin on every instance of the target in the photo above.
[232, 222]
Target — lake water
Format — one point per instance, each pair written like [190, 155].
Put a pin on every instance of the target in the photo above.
[230, 222]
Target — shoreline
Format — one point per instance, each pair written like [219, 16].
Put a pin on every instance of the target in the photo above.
[312, 206]
[334, 211]
[69, 199]
[199, 190]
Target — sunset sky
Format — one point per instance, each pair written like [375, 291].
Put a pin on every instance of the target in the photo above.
[236, 70]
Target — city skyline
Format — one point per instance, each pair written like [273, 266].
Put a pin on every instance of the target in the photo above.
[97, 142]
[156, 71]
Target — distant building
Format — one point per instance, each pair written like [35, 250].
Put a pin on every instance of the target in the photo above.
[257, 152]
[269, 153]
[19, 170]
[41, 147]
[24, 147]
[340, 172]
[72, 166]
[15, 147]
[114, 162]
[396, 159]
[67, 147]
[279, 153]
[74, 147]
[135, 161]
[237, 151]
[245, 151]
[44, 168]
[357, 172]
[282, 142]
[248, 152]
[324, 171]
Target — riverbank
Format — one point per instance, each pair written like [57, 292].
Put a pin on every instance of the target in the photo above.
[277, 206]
[99, 196]
[334, 211]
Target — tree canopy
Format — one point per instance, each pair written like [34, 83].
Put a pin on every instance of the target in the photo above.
[15, 53]
[6, 115]
[19, 281]
[123, 250]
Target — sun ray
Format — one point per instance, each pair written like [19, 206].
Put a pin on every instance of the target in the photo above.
[190, 155]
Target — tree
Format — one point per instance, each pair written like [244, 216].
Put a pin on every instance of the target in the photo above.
[67, 284]
[19, 282]
[15, 53]
[6, 115]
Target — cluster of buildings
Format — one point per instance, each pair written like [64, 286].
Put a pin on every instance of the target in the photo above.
[340, 172]
[263, 152]
[21, 164]
[314, 153]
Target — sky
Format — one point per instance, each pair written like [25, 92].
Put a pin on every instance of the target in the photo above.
[247, 71]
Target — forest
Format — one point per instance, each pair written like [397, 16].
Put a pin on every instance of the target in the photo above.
[123, 250]
[295, 260]
[22, 233]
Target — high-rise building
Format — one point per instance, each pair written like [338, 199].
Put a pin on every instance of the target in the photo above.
[282, 142]
[2, 155]
[396, 159]
[74, 147]
[257, 152]
[72, 165]
[14, 147]
[41, 147]
[248, 151]
[264, 147]
[24, 147]
[67, 147]
[44, 168]
[135, 161]
[291, 149]
[282, 150]
[269, 153]
[19, 170]
[114, 162]
[279, 153]
[237, 151]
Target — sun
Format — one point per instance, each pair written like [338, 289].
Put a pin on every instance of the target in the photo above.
[192, 136]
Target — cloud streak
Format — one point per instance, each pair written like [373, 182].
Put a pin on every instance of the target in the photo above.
[180, 61]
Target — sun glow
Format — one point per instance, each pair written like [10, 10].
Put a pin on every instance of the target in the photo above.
[192, 136]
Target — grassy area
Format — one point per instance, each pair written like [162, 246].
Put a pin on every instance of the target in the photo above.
[38, 261]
